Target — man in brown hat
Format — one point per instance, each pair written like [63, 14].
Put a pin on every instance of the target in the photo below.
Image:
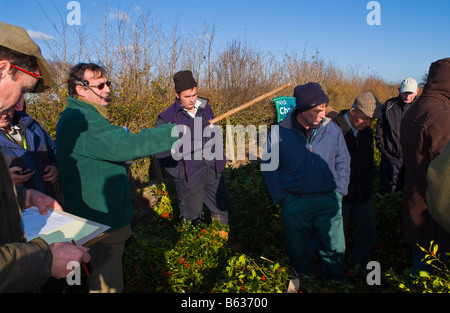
[25, 266]
[357, 204]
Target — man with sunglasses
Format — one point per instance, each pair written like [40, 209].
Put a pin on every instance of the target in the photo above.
[25, 266]
[91, 158]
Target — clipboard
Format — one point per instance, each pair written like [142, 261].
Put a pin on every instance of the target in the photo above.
[60, 226]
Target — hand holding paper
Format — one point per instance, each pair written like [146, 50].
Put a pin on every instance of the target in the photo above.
[65, 252]
[42, 201]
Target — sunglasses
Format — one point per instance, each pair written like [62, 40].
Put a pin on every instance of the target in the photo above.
[102, 85]
[25, 70]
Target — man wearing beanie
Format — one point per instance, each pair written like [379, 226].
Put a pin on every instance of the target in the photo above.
[357, 204]
[388, 136]
[198, 178]
[311, 178]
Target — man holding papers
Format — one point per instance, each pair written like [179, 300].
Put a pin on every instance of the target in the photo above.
[25, 266]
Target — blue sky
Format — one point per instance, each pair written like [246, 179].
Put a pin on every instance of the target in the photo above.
[412, 33]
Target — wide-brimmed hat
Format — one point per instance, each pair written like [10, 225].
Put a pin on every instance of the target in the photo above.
[16, 38]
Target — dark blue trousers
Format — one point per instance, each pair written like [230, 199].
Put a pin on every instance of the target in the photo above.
[204, 187]
[364, 231]
[391, 174]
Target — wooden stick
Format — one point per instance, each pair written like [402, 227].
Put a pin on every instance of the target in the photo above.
[247, 104]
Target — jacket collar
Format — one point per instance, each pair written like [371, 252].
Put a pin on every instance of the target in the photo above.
[101, 109]
[342, 121]
[201, 102]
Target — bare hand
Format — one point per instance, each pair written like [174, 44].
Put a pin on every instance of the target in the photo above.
[19, 178]
[65, 252]
[51, 174]
[41, 200]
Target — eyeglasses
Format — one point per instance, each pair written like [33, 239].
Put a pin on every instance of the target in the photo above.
[25, 70]
[102, 85]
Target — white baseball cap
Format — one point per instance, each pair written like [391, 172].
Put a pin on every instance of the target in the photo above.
[408, 85]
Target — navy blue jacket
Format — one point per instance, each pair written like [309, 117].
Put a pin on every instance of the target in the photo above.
[175, 114]
[306, 168]
[40, 152]
[362, 163]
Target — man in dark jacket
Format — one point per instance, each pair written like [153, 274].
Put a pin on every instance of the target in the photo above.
[388, 136]
[357, 204]
[424, 134]
[26, 145]
[197, 171]
[25, 266]
[311, 177]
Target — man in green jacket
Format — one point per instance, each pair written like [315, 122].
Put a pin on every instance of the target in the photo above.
[91, 159]
[25, 266]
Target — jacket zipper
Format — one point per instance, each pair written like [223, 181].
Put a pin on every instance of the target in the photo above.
[311, 140]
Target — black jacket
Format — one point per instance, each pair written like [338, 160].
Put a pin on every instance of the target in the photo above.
[361, 165]
[387, 135]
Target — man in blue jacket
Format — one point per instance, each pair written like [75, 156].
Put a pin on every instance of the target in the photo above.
[311, 178]
[26, 145]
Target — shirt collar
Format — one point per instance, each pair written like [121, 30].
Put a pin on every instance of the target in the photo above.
[354, 130]
[196, 105]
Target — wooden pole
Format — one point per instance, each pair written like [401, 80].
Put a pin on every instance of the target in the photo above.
[247, 104]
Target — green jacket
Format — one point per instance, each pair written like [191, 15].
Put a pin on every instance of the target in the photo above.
[438, 195]
[24, 266]
[91, 153]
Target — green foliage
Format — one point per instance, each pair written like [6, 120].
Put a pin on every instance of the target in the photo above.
[195, 257]
[138, 110]
[255, 224]
[163, 208]
[245, 274]
[390, 248]
[167, 256]
[435, 280]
